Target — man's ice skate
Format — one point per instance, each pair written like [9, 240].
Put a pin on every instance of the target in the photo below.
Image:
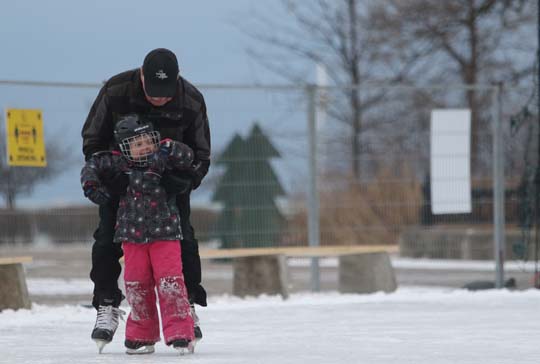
[196, 328]
[183, 346]
[106, 325]
[138, 347]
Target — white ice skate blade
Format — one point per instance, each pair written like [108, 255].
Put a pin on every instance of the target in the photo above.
[189, 350]
[147, 349]
[100, 344]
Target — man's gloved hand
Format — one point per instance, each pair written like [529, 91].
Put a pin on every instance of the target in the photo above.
[165, 147]
[176, 183]
[183, 154]
[104, 161]
[196, 175]
[115, 184]
[179, 154]
[96, 193]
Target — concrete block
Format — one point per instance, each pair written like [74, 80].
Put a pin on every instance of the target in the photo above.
[13, 290]
[260, 274]
[366, 273]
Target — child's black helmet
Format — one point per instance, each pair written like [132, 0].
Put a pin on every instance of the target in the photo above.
[129, 126]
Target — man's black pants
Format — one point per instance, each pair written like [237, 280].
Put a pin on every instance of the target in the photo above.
[105, 254]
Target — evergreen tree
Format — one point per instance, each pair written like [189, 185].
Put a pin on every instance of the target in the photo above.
[250, 217]
[229, 191]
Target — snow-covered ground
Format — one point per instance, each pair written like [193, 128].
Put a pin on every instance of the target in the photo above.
[413, 325]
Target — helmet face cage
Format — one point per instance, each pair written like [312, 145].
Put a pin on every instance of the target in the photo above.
[130, 147]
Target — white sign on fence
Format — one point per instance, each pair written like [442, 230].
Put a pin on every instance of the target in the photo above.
[451, 161]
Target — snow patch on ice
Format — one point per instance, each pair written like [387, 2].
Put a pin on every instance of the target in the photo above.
[58, 286]
[424, 263]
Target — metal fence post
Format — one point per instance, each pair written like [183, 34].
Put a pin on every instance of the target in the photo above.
[313, 193]
[498, 187]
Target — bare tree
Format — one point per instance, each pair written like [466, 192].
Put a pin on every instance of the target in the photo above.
[338, 35]
[415, 42]
[470, 41]
[17, 181]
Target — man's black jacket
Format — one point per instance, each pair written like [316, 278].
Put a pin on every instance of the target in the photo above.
[183, 119]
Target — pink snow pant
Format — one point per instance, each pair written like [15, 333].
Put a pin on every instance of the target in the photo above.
[156, 265]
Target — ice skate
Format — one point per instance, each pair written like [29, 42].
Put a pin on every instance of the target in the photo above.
[183, 346]
[106, 325]
[138, 347]
[196, 325]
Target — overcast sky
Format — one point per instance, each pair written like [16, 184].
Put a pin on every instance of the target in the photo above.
[89, 41]
[72, 40]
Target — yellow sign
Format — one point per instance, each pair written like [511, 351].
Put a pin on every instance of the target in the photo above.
[25, 142]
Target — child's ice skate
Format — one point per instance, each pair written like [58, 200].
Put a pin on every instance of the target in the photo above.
[184, 346]
[138, 347]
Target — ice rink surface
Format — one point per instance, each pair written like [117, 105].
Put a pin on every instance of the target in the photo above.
[413, 325]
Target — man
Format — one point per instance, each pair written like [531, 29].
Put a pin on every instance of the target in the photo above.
[157, 92]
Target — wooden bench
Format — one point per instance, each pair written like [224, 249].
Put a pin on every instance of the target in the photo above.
[13, 290]
[362, 269]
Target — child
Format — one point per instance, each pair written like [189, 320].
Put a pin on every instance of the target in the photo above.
[148, 227]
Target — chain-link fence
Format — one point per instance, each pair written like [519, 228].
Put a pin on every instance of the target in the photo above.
[369, 148]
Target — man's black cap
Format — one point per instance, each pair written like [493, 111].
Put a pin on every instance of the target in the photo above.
[160, 70]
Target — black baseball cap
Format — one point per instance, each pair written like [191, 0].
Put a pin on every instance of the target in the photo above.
[160, 70]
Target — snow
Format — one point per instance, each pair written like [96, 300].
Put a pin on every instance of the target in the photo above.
[436, 264]
[56, 286]
[59, 286]
[412, 325]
